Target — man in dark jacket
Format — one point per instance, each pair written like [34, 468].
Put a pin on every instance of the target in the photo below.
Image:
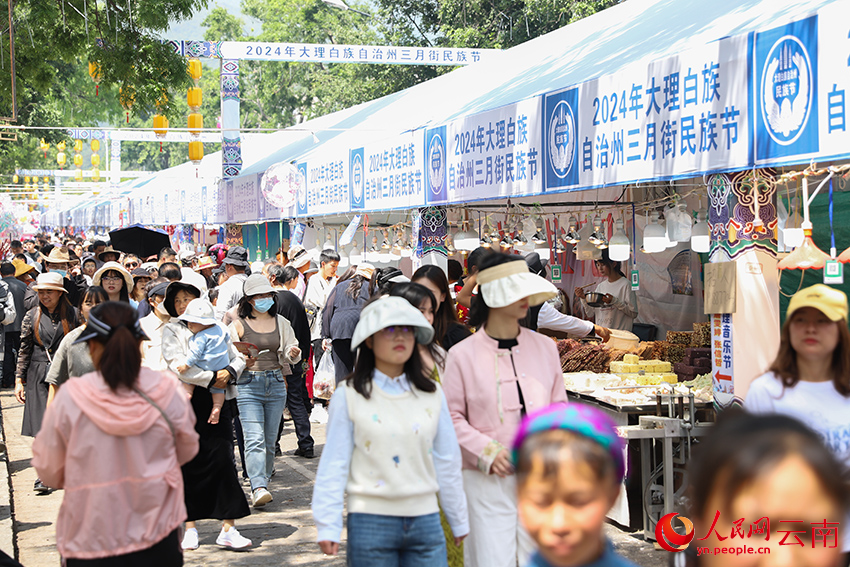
[297, 398]
[12, 331]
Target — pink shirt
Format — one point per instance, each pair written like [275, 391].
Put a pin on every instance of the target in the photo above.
[481, 390]
[118, 462]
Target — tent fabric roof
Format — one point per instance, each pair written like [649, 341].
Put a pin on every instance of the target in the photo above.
[598, 45]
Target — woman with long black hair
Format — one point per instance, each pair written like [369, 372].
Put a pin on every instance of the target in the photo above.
[449, 331]
[343, 315]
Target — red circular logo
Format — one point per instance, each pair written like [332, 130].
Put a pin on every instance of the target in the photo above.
[668, 538]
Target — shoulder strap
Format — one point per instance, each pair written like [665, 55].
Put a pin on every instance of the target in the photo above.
[165, 417]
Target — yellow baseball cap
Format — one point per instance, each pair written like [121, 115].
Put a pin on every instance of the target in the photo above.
[828, 300]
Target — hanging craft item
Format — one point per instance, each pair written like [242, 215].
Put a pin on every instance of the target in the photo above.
[281, 184]
[44, 146]
[60, 155]
[94, 73]
[126, 96]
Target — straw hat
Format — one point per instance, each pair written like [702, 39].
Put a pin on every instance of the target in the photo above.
[510, 282]
[58, 256]
[204, 263]
[49, 281]
[21, 267]
[108, 250]
[365, 270]
[113, 266]
[390, 312]
[298, 256]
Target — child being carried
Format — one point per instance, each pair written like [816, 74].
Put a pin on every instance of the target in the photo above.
[208, 348]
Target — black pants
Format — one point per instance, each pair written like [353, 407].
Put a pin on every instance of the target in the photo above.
[318, 351]
[296, 396]
[165, 553]
[12, 346]
[343, 359]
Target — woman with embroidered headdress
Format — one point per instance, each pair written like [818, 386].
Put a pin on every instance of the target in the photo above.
[43, 328]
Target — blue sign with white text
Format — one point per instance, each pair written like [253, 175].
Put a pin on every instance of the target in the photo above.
[357, 179]
[785, 84]
[560, 135]
[301, 201]
[435, 165]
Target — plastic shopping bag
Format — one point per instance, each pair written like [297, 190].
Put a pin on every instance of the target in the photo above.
[324, 379]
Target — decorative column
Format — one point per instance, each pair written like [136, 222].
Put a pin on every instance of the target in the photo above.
[743, 222]
[432, 223]
[231, 149]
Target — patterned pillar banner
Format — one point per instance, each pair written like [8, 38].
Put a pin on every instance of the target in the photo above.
[742, 212]
[231, 149]
[233, 235]
[433, 229]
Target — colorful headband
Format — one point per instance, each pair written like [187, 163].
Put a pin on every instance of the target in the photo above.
[97, 328]
[578, 418]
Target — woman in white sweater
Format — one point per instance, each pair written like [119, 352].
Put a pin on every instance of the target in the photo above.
[620, 302]
[392, 447]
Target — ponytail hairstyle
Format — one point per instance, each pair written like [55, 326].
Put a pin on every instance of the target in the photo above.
[115, 325]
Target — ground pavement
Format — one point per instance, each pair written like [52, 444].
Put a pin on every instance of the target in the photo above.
[282, 532]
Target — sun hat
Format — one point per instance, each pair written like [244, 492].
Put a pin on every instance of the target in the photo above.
[236, 256]
[199, 311]
[314, 269]
[186, 255]
[828, 300]
[140, 273]
[256, 284]
[158, 289]
[108, 250]
[579, 418]
[510, 282]
[298, 256]
[110, 266]
[171, 293]
[48, 281]
[365, 270]
[21, 267]
[257, 267]
[393, 275]
[58, 255]
[535, 264]
[204, 263]
[390, 312]
[97, 328]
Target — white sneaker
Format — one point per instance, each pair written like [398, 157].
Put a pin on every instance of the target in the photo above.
[319, 414]
[232, 539]
[260, 497]
[190, 539]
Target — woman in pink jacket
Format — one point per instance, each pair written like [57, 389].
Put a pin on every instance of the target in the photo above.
[114, 439]
[492, 379]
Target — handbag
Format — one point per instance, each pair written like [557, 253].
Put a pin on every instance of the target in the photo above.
[165, 417]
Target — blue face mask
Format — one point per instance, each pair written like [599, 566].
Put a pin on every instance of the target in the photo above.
[264, 304]
[62, 272]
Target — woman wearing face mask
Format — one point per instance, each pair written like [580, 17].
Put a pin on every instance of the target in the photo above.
[262, 389]
[42, 330]
[58, 260]
[74, 359]
[153, 324]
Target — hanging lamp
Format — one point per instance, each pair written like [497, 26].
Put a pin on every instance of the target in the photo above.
[619, 247]
[807, 255]
[654, 235]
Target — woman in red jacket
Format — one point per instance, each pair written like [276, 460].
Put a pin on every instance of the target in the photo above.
[492, 379]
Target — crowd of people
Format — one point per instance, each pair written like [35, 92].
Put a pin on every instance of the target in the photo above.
[448, 425]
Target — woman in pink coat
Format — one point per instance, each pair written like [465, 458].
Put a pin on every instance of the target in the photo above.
[114, 439]
[492, 379]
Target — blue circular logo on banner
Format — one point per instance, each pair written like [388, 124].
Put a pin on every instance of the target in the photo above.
[562, 138]
[436, 164]
[357, 178]
[787, 90]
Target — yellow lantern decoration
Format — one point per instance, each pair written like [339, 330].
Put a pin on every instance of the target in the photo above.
[95, 174]
[95, 145]
[44, 146]
[95, 74]
[194, 98]
[95, 160]
[196, 152]
[78, 145]
[196, 123]
[46, 179]
[78, 175]
[60, 159]
[46, 185]
[195, 69]
[15, 179]
[126, 96]
[160, 125]
[60, 146]
[27, 179]
[78, 160]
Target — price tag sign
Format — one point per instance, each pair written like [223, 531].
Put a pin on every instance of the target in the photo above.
[833, 272]
[556, 273]
[635, 280]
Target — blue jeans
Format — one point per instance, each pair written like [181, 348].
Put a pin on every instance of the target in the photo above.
[395, 541]
[261, 399]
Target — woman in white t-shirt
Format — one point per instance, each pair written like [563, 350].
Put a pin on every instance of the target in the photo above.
[620, 309]
[810, 377]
